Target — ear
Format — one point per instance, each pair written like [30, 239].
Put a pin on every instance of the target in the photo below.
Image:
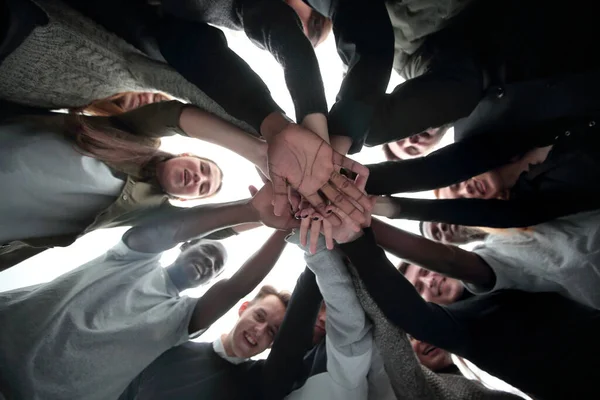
[243, 307]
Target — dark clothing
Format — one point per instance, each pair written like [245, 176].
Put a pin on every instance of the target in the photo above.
[365, 42]
[17, 19]
[488, 43]
[364, 38]
[540, 343]
[509, 121]
[194, 371]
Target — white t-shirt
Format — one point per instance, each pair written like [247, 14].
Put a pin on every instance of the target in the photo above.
[561, 256]
[89, 333]
[48, 187]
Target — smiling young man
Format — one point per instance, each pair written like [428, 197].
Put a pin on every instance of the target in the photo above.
[89, 332]
[221, 369]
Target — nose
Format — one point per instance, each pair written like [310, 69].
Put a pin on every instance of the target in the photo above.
[444, 227]
[414, 139]
[261, 329]
[466, 189]
[429, 280]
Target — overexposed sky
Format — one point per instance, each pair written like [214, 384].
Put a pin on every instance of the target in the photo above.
[238, 174]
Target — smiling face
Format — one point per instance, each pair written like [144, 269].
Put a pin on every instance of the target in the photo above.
[132, 100]
[451, 233]
[485, 186]
[189, 177]
[257, 326]
[432, 286]
[417, 145]
[430, 356]
[200, 260]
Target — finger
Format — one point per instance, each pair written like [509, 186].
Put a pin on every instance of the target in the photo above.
[293, 199]
[253, 190]
[280, 201]
[339, 200]
[347, 221]
[349, 164]
[328, 233]
[347, 187]
[315, 232]
[304, 213]
[317, 202]
[304, 227]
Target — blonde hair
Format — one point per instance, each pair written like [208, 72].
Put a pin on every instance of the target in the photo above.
[110, 106]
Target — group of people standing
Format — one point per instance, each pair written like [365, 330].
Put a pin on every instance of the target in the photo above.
[88, 89]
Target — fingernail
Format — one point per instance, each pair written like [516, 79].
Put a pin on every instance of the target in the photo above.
[304, 216]
[297, 216]
[315, 218]
[329, 211]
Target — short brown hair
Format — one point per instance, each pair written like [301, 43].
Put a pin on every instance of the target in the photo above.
[318, 28]
[268, 290]
[402, 267]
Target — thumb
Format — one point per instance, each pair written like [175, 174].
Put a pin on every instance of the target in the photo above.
[253, 190]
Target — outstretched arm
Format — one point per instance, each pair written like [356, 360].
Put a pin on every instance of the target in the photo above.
[225, 293]
[520, 212]
[398, 299]
[164, 230]
[365, 43]
[349, 340]
[294, 339]
[446, 259]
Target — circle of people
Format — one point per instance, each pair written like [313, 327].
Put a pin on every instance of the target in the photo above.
[87, 91]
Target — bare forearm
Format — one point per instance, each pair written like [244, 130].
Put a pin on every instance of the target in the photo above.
[166, 230]
[226, 293]
[273, 125]
[449, 260]
[341, 144]
[317, 123]
[205, 126]
[256, 268]
[247, 227]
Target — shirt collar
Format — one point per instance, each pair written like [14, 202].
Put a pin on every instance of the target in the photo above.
[220, 350]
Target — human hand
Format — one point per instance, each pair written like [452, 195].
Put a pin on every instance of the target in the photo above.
[261, 203]
[347, 231]
[299, 158]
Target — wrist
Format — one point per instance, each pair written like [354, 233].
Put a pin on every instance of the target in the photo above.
[273, 124]
[351, 238]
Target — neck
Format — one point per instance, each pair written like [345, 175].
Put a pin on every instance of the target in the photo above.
[225, 339]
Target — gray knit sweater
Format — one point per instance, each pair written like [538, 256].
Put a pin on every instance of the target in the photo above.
[72, 61]
[410, 380]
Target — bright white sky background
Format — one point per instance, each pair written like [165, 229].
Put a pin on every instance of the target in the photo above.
[238, 174]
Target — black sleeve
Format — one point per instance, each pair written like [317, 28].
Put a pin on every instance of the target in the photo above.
[451, 164]
[199, 52]
[294, 340]
[520, 212]
[275, 27]
[365, 43]
[398, 299]
[18, 18]
[132, 21]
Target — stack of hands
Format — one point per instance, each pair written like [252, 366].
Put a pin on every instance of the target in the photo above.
[306, 184]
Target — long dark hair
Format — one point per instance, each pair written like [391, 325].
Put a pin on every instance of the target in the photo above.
[101, 138]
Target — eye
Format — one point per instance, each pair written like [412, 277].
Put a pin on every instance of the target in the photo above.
[202, 167]
[203, 189]
[424, 272]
